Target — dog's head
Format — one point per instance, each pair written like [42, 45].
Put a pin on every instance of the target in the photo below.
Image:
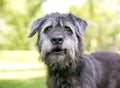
[59, 36]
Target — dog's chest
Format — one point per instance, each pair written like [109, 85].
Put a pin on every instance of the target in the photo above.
[60, 82]
[71, 82]
[75, 83]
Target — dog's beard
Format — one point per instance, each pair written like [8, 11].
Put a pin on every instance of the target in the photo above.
[59, 61]
[59, 58]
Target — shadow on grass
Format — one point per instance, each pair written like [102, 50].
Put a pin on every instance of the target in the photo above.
[38, 82]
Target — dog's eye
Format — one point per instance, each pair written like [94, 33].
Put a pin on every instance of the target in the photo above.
[68, 30]
[47, 29]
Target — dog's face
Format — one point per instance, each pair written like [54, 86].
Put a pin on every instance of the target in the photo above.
[59, 37]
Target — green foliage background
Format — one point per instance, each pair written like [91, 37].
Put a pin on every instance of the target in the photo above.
[16, 17]
[103, 31]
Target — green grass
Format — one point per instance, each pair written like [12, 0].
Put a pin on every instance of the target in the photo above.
[38, 82]
[21, 69]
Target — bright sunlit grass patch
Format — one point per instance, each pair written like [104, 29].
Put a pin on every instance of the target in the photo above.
[21, 69]
[7, 75]
[14, 70]
[19, 56]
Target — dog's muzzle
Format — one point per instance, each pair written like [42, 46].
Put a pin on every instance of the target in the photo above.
[57, 42]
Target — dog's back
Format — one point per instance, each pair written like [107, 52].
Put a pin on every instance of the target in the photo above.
[110, 63]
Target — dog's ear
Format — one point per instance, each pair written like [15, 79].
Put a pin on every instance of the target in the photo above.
[80, 24]
[35, 26]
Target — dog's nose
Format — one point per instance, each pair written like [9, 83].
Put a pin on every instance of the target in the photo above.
[57, 40]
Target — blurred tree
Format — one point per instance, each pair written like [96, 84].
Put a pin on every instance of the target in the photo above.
[103, 20]
[15, 17]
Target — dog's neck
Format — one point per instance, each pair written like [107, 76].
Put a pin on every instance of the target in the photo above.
[67, 70]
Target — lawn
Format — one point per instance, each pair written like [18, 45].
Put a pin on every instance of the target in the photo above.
[21, 69]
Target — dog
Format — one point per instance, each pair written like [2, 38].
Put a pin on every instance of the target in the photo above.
[60, 43]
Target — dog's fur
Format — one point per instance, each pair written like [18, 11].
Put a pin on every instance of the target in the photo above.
[60, 44]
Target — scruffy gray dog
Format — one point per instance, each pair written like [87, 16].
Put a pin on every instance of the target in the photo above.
[61, 47]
